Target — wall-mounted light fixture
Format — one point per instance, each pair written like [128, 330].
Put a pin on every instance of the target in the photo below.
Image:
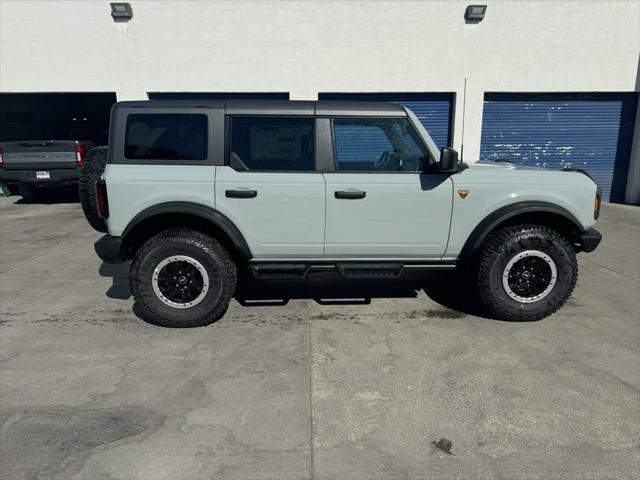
[121, 12]
[475, 13]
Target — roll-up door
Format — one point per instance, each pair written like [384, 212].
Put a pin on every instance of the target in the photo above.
[591, 131]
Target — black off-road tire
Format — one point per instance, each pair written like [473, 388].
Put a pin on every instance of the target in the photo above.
[92, 169]
[500, 247]
[199, 246]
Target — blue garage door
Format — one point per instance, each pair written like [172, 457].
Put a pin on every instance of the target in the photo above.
[591, 131]
[435, 110]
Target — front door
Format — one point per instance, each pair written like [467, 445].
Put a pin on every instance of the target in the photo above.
[379, 204]
[270, 189]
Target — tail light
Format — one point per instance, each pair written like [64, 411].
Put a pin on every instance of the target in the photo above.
[1, 159]
[80, 151]
[101, 198]
[596, 204]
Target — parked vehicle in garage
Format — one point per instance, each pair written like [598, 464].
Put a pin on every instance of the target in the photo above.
[194, 191]
[37, 164]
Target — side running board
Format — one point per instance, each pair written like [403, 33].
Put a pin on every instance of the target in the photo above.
[279, 270]
[348, 270]
[369, 270]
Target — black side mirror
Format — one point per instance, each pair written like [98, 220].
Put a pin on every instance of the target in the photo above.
[449, 162]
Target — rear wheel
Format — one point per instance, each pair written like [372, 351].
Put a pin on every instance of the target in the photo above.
[92, 169]
[182, 278]
[526, 272]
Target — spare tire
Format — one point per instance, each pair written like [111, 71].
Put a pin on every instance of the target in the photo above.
[90, 172]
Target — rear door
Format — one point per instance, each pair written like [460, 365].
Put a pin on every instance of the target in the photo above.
[380, 204]
[270, 188]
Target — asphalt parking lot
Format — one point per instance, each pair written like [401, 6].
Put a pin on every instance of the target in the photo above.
[309, 389]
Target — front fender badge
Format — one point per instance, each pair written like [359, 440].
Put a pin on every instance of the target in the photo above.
[463, 192]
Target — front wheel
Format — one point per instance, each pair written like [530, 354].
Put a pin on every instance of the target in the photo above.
[182, 278]
[526, 272]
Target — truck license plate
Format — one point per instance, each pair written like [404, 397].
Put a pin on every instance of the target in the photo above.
[43, 175]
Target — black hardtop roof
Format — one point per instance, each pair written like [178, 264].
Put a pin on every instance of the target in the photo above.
[277, 107]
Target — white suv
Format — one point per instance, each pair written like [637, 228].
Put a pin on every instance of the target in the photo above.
[193, 191]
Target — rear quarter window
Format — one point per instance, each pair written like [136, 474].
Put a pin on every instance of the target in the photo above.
[166, 136]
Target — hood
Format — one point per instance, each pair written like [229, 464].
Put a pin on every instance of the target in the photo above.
[501, 166]
[499, 172]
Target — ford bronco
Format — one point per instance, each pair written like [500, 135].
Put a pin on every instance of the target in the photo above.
[194, 191]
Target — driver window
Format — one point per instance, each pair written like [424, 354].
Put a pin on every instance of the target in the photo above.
[377, 145]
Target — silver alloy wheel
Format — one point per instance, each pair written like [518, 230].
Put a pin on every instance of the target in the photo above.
[189, 298]
[535, 280]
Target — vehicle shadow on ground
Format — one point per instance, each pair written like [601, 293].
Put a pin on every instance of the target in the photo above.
[50, 196]
[119, 274]
[326, 288]
[445, 288]
[455, 291]
[329, 288]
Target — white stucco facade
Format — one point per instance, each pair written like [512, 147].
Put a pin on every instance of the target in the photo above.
[307, 47]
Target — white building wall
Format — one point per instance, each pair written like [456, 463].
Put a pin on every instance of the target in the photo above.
[632, 193]
[306, 47]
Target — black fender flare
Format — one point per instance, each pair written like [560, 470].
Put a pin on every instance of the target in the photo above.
[199, 210]
[499, 216]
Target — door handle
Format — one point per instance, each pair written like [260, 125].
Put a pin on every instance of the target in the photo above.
[241, 193]
[350, 194]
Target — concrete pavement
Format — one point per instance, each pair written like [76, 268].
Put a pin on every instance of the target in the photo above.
[309, 390]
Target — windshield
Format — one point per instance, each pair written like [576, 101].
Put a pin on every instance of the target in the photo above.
[433, 149]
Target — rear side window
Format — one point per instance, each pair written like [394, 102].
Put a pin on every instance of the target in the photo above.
[273, 143]
[166, 136]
